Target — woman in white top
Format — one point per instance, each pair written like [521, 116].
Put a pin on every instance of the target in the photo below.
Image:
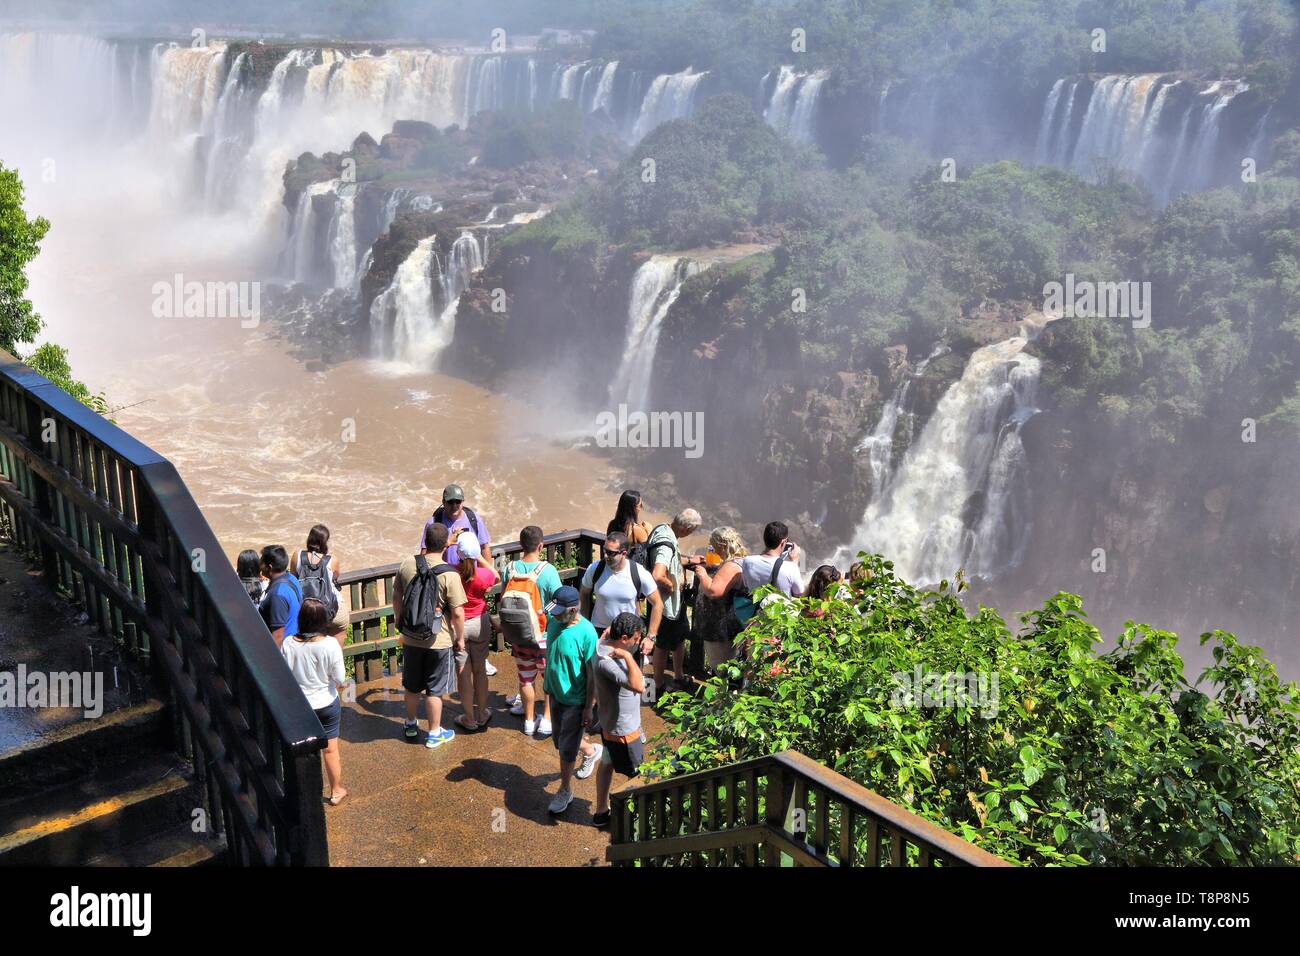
[316, 553]
[316, 661]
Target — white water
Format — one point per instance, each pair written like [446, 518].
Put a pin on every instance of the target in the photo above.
[670, 96]
[969, 448]
[879, 445]
[792, 108]
[1126, 124]
[655, 287]
[414, 319]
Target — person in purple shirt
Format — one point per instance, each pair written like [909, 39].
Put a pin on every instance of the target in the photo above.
[457, 517]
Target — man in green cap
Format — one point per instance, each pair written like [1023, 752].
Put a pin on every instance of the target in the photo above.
[457, 517]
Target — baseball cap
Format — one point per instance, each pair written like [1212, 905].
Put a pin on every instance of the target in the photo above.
[564, 599]
[453, 493]
[467, 544]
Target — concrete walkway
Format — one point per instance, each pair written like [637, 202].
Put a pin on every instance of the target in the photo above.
[480, 800]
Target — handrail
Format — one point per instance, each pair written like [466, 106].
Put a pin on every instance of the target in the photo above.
[756, 811]
[113, 524]
[370, 595]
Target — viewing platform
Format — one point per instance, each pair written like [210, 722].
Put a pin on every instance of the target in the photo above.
[207, 751]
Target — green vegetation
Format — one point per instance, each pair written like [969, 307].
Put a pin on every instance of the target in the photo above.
[512, 140]
[20, 243]
[1050, 755]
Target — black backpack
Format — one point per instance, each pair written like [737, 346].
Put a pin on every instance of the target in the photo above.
[421, 605]
[643, 553]
[600, 569]
[469, 513]
[315, 583]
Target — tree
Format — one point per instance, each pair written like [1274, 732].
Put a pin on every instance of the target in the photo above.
[20, 240]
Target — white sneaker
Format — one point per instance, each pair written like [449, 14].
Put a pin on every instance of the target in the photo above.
[589, 763]
[543, 727]
[560, 802]
[529, 727]
[491, 671]
[517, 706]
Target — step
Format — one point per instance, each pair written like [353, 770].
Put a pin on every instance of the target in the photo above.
[176, 846]
[70, 752]
[110, 809]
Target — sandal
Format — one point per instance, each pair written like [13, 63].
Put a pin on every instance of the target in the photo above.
[486, 720]
[463, 724]
[334, 801]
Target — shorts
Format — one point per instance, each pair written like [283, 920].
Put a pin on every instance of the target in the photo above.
[529, 661]
[566, 728]
[428, 670]
[626, 758]
[477, 638]
[673, 633]
[329, 717]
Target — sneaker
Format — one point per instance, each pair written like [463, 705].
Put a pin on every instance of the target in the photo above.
[517, 706]
[529, 727]
[544, 727]
[441, 737]
[589, 763]
[491, 671]
[514, 699]
[560, 802]
[600, 819]
[410, 730]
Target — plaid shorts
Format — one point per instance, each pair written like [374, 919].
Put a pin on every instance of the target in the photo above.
[529, 661]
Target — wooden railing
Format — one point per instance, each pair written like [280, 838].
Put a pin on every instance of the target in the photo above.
[114, 527]
[785, 809]
[373, 637]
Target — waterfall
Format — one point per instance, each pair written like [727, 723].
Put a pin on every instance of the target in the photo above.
[956, 498]
[879, 445]
[414, 319]
[1150, 125]
[302, 250]
[343, 236]
[604, 94]
[655, 287]
[670, 96]
[792, 108]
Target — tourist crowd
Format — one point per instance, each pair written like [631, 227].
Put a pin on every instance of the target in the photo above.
[591, 646]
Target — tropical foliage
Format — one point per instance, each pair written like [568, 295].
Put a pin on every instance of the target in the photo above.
[1025, 741]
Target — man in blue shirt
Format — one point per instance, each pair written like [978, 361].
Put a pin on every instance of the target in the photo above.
[283, 595]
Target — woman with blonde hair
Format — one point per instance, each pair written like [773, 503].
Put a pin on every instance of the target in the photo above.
[714, 623]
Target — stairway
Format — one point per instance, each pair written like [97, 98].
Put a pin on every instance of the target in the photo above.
[103, 792]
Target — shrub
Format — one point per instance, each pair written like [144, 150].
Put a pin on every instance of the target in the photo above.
[1053, 755]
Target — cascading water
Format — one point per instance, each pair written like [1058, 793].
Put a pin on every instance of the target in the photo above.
[670, 96]
[414, 319]
[955, 500]
[879, 445]
[1157, 127]
[792, 107]
[655, 287]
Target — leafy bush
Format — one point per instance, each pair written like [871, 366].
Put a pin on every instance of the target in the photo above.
[1053, 755]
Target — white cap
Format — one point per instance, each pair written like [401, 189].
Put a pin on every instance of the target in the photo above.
[467, 544]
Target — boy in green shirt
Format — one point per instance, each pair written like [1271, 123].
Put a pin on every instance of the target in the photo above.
[570, 645]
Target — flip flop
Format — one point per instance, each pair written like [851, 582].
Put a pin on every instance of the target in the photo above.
[335, 801]
[486, 720]
[463, 724]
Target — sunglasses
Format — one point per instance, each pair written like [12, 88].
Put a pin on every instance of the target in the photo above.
[613, 554]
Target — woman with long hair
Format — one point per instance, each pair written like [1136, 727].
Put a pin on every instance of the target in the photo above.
[627, 519]
[713, 615]
[478, 575]
[316, 560]
[316, 660]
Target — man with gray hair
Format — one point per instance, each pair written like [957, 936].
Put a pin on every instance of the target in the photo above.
[666, 569]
